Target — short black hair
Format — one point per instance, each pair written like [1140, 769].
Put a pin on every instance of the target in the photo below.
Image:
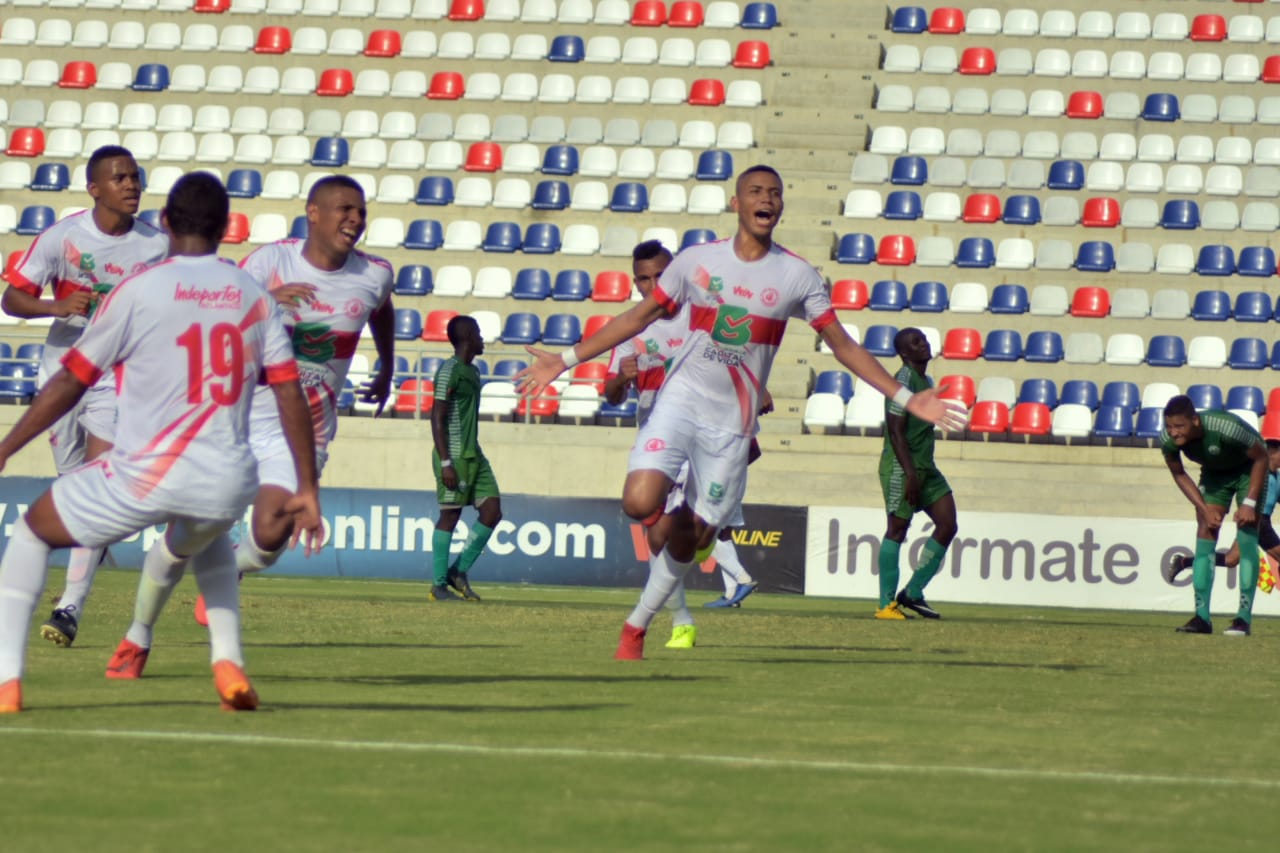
[1180, 405]
[751, 170]
[648, 250]
[106, 152]
[197, 205]
[900, 339]
[1273, 443]
[454, 328]
[333, 181]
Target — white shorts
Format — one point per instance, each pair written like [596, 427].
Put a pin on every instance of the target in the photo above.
[95, 412]
[676, 497]
[275, 463]
[716, 477]
[98, 412]
[98, 509]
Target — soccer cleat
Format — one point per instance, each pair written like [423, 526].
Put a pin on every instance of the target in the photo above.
[891, 611]
[458, 580]
[1237, 628]
[61, 627]
[11, 696]
[234, 688]
[128, 661]
[722, 601]
[630, 644]
[743, 590]
[919, 605]
[1196, 625]
[201, 614]
[1176, 566]
[440, 592]
[683, 637]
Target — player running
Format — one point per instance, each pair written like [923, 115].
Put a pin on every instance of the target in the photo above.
[80, 258]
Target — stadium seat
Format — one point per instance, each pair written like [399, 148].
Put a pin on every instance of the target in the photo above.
[78, 74]
[1160, 106]
[836, 382]
[551, 195]
[1095, 256]
[1030, 419]
[50, 177]
[896, 250]
[434, 190]
[1166, 351]
[909, 170]
[981, 207]
[561, 330]
[1248, 354]
[1090, 302]
[573, 285]
[1043, 346]
[751, 54]
[33, 220]
[466, 10]
[331, 152]
[1205, 396]
[849, 294]
[968, 297]
[1101, 212]
[1208, 28]
[962, 344]
[702, 93]
[541, 238]
[977, 61]
[989, 417]
[1207, 352]
[237, 228]
[502, 237]
[611, 286]
[888, 296]
[929, 297]
[1009, 299]
[1150, 422]
[1002, 345]
[902, 204]
[975, 253]
[1113, 423]
[909, 19]
[424, 234]
[1216, 260]
[446, 86]
[1247, 397]
[1124, 349]
[335, 83]
[1080, 392]
[696, 237]
[531, 284]
[1258, 261]
[853, 249]
[1253, 306]
[1065, 175]
[757, 16]
[1122, 394]
[413, 280]
[408, 324]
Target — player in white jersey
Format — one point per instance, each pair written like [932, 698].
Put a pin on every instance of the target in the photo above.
[740, 294]
[328, 291]
[80, 259]
[188, 340]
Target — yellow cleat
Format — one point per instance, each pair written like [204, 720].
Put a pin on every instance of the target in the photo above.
[891, 611]
[683, 637]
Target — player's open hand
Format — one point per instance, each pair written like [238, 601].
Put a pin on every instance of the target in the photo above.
[377, 389]
[308, 526]
[927, 405]
[537, 376]
[294, 293]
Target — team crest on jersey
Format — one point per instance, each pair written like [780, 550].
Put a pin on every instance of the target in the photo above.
[716, 491]
[769, 297]
[87, 264]
[651, 346]
[314, 342]
[1214, 450]
[716, 284]
[654, 445]
[353, 308]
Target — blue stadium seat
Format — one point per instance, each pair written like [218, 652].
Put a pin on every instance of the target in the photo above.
[508, 367]
[929, 297]
[1180, 214]
[413, 280]
[1043, 346]
[1038, 390]
[572, 286]
[429, 365]
[501, 237]
[696, 237]
[1002, 345]
[1122, 393]
[975, 253]
[347, 397]
[550, 195]
[1161, 106]
[1247, 397]
[151, 216]
[1080, 392]
[834, 382]
[759, 16]
[37, 217]
[1166, 351]
[29, 352]
[1211, 306]
[531, 283]
[1254, 261]
[6, 351]
[1095, 256]
[878, 340]
[909, 19]
[1150, 422]
[567, 49]
[888, 295]
[1065, 175]
[1216, 260]
[434, 190]
[17, 381]
[330, 151]
[1113, 422]
[244, 183]
[856, 249]
[1275, 357]
[1205, 396]
[408, 324]
[1253, 306]
[560, 160]
[903, 204]
[624, 411]
[151, 77]
[521, 327]
[51, 177]
[542, 238]
[424, 234]
[714, 165]
[629, 197]
[562, 330]
[1022, 210]
[481, 366]
[1009, 299]
[909, 171]
[1248, 354]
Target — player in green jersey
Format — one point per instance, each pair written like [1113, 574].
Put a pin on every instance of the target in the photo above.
[463, 475]
[911, 483]
[1233, 464]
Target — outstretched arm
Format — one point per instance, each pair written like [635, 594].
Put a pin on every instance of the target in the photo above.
[59, 396]
[19, 303]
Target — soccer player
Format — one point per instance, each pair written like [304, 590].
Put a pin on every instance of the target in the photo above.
[1233, 464]
[187, 340]
[740, 292]
[463, 475]
[911, 483]
[80, 259]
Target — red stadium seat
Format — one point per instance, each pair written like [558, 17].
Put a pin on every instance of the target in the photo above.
[545, 405]
[706, 93]
[1273, 396]
[78, 75]
[1031, 419]
[1091, 302]
[989, 416]
[751, 54]
[649, 13]
[237, 228]
[1271, 70]
[685, 13]
[383, 43]
[611, 286]
[26, 142]
[849, 293]
[415, 396]
[483, 157]
[211, 7]
[595, 323]
[436, 323]
[466, 10]
[978, 60]
[1208, 28]
[336, 83]
[1271, 420]
[982, 207]
[1103, 212]
[896, 250]
[591, 373]
[946, 21]
[445, 86]
[273, 40]
[962, 344]
[958, 387]
[1084, 105]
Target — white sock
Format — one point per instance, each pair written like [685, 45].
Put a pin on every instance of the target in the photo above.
[726, 556]
[250, 557]
[664, 574]
[161, 571]
[22, 575]
[216, 575]
[680, 614]
[82, 565]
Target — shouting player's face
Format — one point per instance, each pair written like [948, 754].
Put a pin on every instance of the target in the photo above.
[116, 186]
[758, 203]
[336, 219]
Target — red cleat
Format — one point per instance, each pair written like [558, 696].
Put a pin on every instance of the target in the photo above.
[630, 644]
[234, 688]
[11, 696]
[200, 614]
[128, 661]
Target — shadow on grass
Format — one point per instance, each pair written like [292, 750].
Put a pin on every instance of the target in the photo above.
[796, 648]
[976, 664]
[322, 645]
[269, 706]
[424, 679]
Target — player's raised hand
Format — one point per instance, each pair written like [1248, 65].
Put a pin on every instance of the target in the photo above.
[377, 389]
[294, 293]
[308, 525]
[927, 405]
[537, 376]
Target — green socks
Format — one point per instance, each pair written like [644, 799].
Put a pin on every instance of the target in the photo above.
[888, 564]
[440, 540]
[933, 553]
[475, 546]
[1202, 574]
[1247, 539]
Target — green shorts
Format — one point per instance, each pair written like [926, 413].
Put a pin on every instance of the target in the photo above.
[893, 483]
[1219, 487]
[476, 483]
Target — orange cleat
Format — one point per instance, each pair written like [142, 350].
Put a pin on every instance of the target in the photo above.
[11, 696]
[200, 614]
[234, 688]
[631, 643]
[128, 661]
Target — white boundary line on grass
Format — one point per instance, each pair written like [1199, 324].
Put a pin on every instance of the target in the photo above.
[630, 755]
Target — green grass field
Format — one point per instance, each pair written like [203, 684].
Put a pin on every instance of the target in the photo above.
[796, 724]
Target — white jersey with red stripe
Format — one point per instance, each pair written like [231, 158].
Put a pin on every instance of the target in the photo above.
[189, 340]
[653, 349]
[738, 312]
[325, 331]
[74, 254]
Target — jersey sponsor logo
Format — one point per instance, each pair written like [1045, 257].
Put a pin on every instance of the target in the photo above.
[114, 269]
[714, 353]
[769, 297]
[716, 491]
[87, 263]
[655, 445]
[1214, 449]
[716, 285]
[744, 292]
[732, 326]
[227, 297]
[651, 346]
[314, 342]
[322, 307]
[675, 343]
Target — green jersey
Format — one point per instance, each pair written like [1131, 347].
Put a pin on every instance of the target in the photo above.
[1224, 447]
[458, 385]
[920, 436]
